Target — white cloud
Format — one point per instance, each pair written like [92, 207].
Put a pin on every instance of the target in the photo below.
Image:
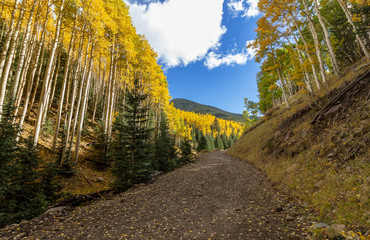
[214, 60]
[245, 8]
[180, 31]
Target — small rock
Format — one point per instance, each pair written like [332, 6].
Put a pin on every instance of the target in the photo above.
[21, 235]
[334, 230]
[54, 210]
[23, 222]
[304, 134]
[319, 225]
[277, 134]
[319, 183]
[289, 218]
[155, 174]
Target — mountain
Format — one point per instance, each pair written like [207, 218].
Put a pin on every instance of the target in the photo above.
[190, 106]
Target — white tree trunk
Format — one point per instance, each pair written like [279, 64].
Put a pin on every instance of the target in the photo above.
[83, 106]
[332, 55]
[43, 99]
[10, 56]
[358, 38]
[62, 91]
[317, 43]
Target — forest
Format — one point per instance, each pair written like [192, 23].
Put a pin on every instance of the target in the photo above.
[76, 75]
[302, 45]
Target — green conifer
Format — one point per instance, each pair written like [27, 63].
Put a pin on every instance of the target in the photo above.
[186, 154]
[165, 151]
[202, 145]
[132, 151]
[218, 143]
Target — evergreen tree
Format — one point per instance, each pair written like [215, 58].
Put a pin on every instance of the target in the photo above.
[8, 153]
[101, 158]
[218, 143]
[165, 152]
[210, 143]
[131, 149]
[186, 154]
[225, 141]
[202, 144]
[25, 190]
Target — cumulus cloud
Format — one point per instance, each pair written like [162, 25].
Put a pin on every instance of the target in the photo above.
[180, 31]
[244, 8]
[214, 60]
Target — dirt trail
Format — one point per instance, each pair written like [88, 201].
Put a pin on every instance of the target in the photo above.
[217, 197]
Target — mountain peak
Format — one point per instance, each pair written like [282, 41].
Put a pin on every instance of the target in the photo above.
[191, 106]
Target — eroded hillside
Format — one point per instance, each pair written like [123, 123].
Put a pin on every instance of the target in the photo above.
[318, 152]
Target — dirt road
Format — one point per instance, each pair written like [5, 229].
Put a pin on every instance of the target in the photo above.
[217, 197]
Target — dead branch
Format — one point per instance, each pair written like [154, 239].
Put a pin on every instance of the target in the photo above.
[338, 97]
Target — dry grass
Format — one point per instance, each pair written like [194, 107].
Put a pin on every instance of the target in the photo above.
[309, 161]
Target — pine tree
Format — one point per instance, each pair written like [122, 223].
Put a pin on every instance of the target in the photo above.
[202, 144]
[218, 143]
[225, 141]
[131, 148]
[210, 143]
[25, 190]
[8, 153]
[186, 154]
[165, 152]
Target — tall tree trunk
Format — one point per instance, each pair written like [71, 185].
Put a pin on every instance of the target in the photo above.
[10, 56]
[8, 39]
[84, 105]
[307, 52]
[333, 58]
[44, 92]
[311, 26]
[62, 91]
[349, 18]
[79, 100]
[22, 54]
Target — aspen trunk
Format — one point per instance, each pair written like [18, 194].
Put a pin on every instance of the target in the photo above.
[8, 39]
[62, 91]
[358, 38]
[83, 106]
[44, 92]
[317, 44]
[22, 54]
[333, 58]
[77, 110]
[10, 56]
[307, 78]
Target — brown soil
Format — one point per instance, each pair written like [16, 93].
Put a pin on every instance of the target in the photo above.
[216, 197]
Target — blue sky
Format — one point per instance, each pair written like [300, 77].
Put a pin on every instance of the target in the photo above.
[202, 47]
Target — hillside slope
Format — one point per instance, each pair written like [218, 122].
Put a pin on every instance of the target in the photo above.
[319, 153]
[190, 106]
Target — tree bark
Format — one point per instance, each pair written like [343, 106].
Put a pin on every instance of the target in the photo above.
[84, 106]
[317, 43]
[62, 91]
[9, 57]
[332, 55]
[43, 103]
[358, 38]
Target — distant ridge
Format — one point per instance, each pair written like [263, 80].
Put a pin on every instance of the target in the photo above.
[190, 106]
